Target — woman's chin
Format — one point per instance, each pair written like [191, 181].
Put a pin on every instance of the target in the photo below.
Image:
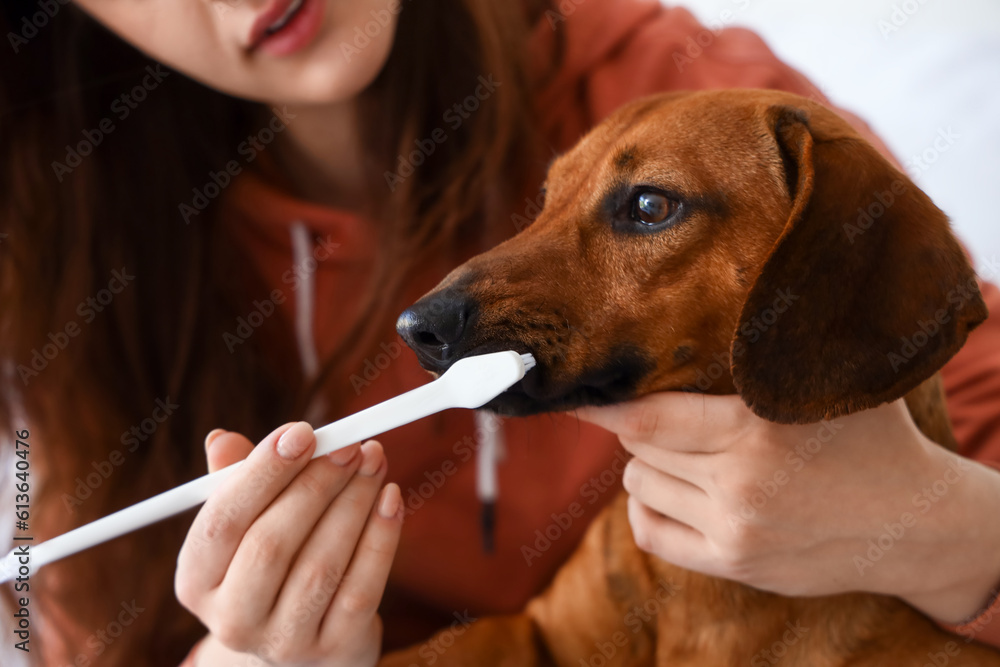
[324, 78]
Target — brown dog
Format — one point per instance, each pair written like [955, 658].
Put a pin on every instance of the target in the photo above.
[752, 226]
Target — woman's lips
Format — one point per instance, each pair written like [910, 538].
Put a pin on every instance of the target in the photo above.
[295, 6]
[281, 29]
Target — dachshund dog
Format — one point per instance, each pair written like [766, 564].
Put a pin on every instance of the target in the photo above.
[667, 236]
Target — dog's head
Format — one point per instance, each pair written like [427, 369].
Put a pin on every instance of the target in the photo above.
[745, 241]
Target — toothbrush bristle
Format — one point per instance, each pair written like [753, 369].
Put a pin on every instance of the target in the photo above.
[529, 361]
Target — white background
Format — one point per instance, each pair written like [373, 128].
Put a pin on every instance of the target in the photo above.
[940, 69]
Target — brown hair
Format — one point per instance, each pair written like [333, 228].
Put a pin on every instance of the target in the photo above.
[81, 374]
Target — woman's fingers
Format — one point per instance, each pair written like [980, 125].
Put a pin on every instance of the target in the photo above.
[322, 561]
[288, 542]
[666, 494]
[358, 597]
[697, 468]
[224, 448]
[683, 435]
[678, 421]
[320, 565]
[670, 540]
[261, 562]
[222, 522]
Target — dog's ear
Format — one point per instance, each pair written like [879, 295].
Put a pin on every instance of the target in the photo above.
[866, 292]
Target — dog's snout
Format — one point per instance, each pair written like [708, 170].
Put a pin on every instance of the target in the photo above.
[436, 326]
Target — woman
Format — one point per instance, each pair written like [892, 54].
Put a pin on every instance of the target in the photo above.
[295, 176]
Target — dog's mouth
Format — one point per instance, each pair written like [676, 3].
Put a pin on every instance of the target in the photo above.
[518, 402]
[551, 387]
[573, 368]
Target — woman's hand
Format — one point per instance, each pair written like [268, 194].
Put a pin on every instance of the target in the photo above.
[288, 559]
[863, 502]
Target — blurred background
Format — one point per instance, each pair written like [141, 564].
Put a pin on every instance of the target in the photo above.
[919, 72]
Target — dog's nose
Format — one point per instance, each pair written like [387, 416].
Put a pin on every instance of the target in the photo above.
[435, 326]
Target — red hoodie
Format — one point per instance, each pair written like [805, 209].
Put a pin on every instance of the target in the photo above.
[616, 51]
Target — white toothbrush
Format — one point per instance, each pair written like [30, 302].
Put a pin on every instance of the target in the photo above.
[470, 383]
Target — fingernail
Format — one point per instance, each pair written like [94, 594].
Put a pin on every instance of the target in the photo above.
[212, 435]
[371, 464]
[344, 456]
[295, 440]
[391, 502]
[631, 478]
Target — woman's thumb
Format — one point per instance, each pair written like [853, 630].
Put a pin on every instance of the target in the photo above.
[224, 448]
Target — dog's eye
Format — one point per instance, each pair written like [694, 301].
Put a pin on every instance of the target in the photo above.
[652, 208]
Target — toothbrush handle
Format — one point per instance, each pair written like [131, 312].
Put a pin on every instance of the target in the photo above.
[402, 409]
[469, 383]
[393, 413]
[131, 518]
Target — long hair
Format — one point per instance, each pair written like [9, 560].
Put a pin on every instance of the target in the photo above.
[112, 310]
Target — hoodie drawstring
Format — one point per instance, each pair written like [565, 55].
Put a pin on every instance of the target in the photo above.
[305, 295]
[489, 435]
[489, 451]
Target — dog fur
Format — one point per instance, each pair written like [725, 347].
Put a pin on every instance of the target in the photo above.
[798, 256]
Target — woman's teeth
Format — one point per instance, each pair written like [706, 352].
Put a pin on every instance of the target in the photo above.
[286, 17]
